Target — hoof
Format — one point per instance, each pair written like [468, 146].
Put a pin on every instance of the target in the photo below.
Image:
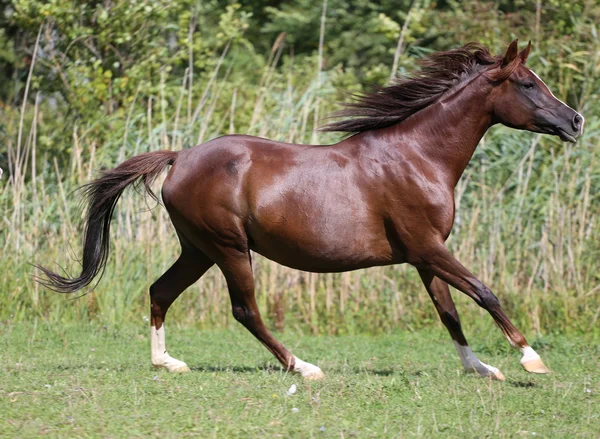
[499, 376]
[487, 371]
[179, 369]
[314, 376]
[172, 365]
[535, 366]
[307, 370]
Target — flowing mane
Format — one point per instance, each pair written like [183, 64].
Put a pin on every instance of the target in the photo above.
[385, 106]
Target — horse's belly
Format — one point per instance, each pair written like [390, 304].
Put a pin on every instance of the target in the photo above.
[323, 251]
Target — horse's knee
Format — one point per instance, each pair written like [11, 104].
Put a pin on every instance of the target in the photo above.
[238, 313]
[487, 299]
[242, 314]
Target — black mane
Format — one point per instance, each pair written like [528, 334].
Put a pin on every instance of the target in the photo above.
[385, 106]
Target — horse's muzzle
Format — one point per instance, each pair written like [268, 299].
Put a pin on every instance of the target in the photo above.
[571, 128]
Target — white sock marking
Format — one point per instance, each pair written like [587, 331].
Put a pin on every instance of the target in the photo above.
[472, 364]
[528, 354]
[159, 355]
[307, 370]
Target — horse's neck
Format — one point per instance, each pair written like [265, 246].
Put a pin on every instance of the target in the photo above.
[448, 131]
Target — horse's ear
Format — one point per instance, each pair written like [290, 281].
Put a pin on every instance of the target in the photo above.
[525, 53]
[511, 53]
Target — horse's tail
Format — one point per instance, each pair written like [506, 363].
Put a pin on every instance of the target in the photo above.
[101, 196]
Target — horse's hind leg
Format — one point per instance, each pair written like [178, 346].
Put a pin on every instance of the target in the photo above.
[237, 268]
[440, 295]
[184, 272]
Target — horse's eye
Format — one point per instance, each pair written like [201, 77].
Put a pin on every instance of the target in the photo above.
[528, 85]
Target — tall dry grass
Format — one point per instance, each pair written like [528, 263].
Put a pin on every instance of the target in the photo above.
[526, 223]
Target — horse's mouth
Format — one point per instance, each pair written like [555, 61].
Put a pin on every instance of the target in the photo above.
[564, 136]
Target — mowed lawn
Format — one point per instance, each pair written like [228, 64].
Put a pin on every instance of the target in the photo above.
[97, 381]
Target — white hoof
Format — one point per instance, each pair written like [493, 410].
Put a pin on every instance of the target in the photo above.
[171, 364]
[307, 370]
[472, 364]
[179, 369]
[160, 357]
[485, 370]
[314, 375]
[532, 362]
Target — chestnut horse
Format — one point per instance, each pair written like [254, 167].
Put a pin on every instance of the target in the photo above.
[384, 195]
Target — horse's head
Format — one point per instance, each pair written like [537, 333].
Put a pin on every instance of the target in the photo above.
[521, 99]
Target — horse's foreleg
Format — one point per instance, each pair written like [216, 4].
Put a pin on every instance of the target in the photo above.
[237, 269]
[442, 264]
[440, 295]
[184, 272]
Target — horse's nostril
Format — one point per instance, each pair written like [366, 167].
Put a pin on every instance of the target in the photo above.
[577, 121]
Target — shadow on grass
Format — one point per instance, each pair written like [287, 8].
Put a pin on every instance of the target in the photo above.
[525, 384]
[97, 366]
[275, 369]
[200, 368]
[235, 369]
[377, 372]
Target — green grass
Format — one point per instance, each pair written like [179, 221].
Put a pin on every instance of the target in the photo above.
[96, 381]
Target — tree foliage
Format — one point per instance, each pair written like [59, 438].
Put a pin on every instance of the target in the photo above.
[100, 62]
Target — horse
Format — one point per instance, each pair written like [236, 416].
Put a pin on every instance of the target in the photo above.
[383, 195]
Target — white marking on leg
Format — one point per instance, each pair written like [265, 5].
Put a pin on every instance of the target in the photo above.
[159, 355]
[532, 362]
[472, 364]
[528, 354]
[307, 370]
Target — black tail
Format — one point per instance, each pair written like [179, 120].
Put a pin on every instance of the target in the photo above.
[102, 195]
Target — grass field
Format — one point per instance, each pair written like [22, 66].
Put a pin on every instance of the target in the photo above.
[97, 381]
